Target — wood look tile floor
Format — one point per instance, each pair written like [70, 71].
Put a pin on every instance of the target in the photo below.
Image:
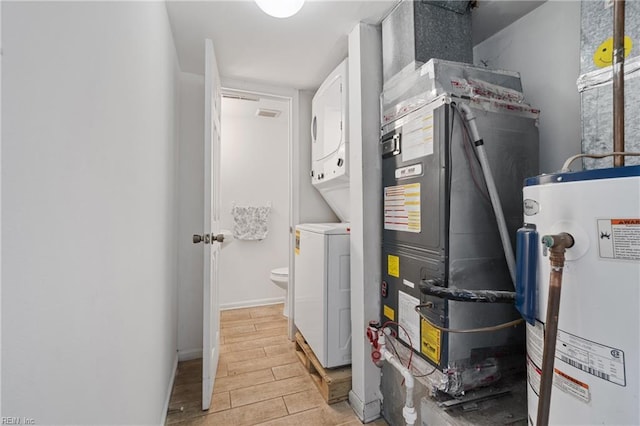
[260, 380]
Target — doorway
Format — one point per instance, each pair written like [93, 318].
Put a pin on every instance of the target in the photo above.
[256, 172]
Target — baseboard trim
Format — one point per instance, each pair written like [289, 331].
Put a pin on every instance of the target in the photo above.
[366, 412]
[165, 411]
[251, 303]
[189, 354]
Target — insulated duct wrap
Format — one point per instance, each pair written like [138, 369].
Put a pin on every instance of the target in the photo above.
[417, 31]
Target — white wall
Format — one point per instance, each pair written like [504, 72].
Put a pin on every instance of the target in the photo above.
[365, 84]
[190, 211]
[254, 172]
[89, 217]
[0, 215]
[544, 46]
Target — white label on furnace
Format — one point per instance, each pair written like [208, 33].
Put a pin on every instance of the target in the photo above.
[408, 283]
[409, 319]
[402, 208]
[409, 171]
[417, 137]
[598, 360]
[619, 238]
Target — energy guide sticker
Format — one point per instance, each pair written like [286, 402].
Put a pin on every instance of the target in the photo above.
[402, 208]
[619, 239]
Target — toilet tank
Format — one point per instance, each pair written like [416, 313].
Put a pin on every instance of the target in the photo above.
[329, 141]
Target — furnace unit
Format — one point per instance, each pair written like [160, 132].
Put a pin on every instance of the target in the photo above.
[439, 225]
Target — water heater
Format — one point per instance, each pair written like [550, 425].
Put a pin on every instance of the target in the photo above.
[596, 369]
[329, 141]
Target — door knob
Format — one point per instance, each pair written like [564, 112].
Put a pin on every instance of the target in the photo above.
[207, 238]
[201, 238]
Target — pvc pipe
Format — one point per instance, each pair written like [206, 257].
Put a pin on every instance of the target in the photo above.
[493, 192]
[408, 411]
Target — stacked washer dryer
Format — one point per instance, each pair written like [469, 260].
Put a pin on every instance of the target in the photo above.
[322, 269]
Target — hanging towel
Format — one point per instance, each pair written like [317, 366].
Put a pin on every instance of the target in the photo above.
[250, 222]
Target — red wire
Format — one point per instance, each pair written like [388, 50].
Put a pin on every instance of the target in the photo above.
[408, 337]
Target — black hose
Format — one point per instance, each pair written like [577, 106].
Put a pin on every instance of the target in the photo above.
[428, 287]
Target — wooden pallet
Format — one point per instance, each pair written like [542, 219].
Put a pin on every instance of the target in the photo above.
[334, 384]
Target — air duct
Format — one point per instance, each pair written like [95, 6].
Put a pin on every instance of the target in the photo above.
[417, 31]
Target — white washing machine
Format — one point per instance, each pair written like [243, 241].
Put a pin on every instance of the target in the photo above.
[323, 290]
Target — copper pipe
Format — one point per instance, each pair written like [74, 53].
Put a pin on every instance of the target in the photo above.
[557, 245]
[618, 81]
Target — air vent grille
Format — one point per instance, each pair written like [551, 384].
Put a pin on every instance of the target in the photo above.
[268, 113]
[240, 97]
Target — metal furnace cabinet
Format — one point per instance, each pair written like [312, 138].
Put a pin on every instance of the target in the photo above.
[439, 226]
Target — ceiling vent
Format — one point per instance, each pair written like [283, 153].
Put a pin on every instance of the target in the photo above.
[268, 113]
[240, 97]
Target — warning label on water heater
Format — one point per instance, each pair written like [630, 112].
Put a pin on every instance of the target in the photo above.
[402, 208]
[561, 380]
[619, 239]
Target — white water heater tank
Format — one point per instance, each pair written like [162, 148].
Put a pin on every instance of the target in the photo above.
[329, 141]
[597, 367]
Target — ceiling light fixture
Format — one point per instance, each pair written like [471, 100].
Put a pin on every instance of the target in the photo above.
[280, 8]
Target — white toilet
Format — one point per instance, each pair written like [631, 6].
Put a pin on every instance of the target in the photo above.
[280, 277]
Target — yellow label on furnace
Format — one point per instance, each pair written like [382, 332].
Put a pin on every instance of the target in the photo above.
[389, 313]
[393, 266]
[430, 338]
[297, 250]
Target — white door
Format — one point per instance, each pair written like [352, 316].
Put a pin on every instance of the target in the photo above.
[211, 308]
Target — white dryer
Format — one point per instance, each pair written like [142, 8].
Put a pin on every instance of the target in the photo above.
[329, 141]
